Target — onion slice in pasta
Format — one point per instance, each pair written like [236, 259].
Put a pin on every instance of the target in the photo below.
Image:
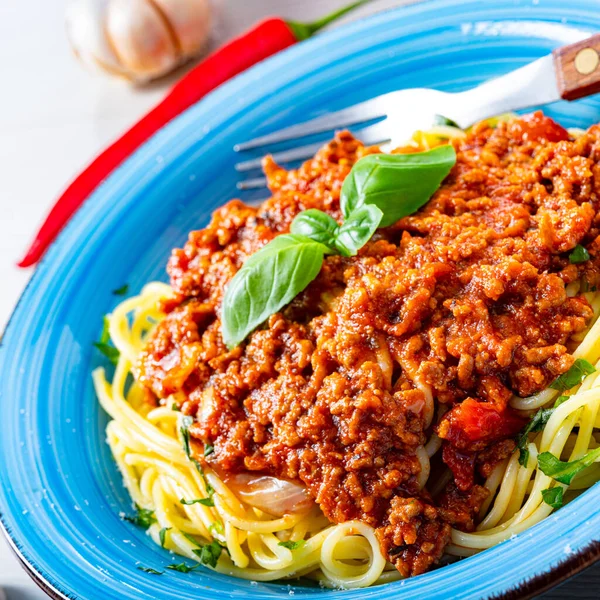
[275, 496]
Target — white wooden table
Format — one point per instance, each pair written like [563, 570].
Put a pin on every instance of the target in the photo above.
[54, 117]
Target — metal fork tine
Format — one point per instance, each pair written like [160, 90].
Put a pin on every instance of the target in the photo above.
[374, 134]
[359, 113]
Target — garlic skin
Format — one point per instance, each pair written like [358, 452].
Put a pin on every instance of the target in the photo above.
[138, 39]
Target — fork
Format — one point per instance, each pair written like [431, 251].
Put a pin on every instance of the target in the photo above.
[570, 72]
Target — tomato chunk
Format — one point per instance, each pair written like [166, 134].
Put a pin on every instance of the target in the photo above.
[472, 425]
[537, 127]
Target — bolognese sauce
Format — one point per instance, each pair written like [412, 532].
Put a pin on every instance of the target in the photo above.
[429, 331]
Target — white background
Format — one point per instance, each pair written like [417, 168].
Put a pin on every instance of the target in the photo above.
[55, 116]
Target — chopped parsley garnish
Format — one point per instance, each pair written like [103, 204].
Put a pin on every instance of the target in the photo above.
[208, 449]
[121, 291]
[184, 429]
[150, 570]
[191, 538]
[203, 501]
[578, 255]
[209, 553]
[292, 545]
[102, 345]
[537, 423]
[182, 567]
[162, 534]
[560, 400]
[565, 471]
[553, 497]
[216, 527]
[144, 517]
[580, 369]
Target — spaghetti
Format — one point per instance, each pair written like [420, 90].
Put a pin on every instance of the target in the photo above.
[199, 515]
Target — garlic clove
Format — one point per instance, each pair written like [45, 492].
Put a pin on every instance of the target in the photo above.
[190, 21]
[140, 38]
[86, 33]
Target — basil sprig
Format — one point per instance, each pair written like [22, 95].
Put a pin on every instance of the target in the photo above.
[537, 423]
[398, 184]
[379, 190]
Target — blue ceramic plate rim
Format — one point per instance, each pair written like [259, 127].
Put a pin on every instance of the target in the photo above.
[73, 237]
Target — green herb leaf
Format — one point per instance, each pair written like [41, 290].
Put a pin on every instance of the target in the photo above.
[150, 570]
[209, 553]
[269, 280]
[565, 471]
[208, 449]
[105, 335]
[162, 534]
[579, 255]
[203, 501]
[317, 225]
[560, 400]
[357, 229]
[292, 545]
[182, 567]
[216, 527]
[191, 538]
[445, 121]
[553, 497]
[109, 351]
[398, 184]
[537, 423]
[144, 517]
[580, 369]
[184, 429]
[122, 290]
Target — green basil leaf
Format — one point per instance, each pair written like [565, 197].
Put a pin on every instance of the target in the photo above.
[203, 501]
[357, 229]
[269, 279]
[209, 553]
[122, 290]
[579, 370]
[292, 545]
[208, 449]
[182, 567]
[579, 255]
[537, 423]
[150, 570]
[316, 225]
[162, 534]
[553, 497]
[445, 121]
[398, 184]
[565, 471]
[143, 517]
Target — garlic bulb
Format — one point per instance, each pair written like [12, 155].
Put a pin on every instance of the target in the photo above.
[138, 39]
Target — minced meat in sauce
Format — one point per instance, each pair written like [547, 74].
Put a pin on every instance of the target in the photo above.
[463, 302]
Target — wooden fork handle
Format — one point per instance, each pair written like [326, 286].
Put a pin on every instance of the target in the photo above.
[578, 68]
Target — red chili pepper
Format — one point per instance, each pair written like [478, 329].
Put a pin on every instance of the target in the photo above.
[263, 40]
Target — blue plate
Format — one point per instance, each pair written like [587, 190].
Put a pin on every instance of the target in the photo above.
[60, 494]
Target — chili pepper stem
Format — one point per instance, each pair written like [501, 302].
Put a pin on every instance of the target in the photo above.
[303, 31]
